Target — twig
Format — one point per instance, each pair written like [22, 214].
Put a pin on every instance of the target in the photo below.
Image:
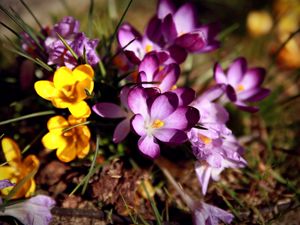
[97, 214]
[285, 42]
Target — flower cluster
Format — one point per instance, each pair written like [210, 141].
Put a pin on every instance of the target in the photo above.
[151, 104]
[171, 34]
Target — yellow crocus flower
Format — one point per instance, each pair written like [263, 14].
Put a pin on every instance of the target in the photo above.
[68, 89]
[17, 169]
[68, 142]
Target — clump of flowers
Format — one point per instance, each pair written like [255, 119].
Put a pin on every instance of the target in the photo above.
[147, 106]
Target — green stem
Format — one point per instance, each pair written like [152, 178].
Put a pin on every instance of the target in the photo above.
[90, 173]
[187, 199]
[285, 42]
[76, 125]
[119, 24]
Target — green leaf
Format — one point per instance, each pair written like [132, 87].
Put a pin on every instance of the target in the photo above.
[20, 184]
[32, 115]
[36, 60]
[31, 13]
[90, 173]
[90, 17]
[153, 205]
[119, 23]
[67, 46]
[76, 125]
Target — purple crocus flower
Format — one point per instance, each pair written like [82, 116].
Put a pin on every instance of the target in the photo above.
[111, 110]
[67, 27]
[242, 84]
[59, 55]
[206, 214]
[150, 71]
[33, 211]
[159, 117]
[136, 46]
[214, 155]
[181, 31]
[213, 144]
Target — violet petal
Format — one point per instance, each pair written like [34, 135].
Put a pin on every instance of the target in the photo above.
[148, 146]
[168, 135]
[236, 71]
[121, 130]
[109, 110]
[163, 106]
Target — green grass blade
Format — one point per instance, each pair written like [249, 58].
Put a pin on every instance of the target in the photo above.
[119, 23]
[32, 14]
[11, 30]
[90, 18]
[121, 50]
[44, 65]
[153, 205]
[67, 46]
[32, 115]
[20, 184]
[36, 60]
[127, 208]
[90, 173]
[33, 141]
[76, 125]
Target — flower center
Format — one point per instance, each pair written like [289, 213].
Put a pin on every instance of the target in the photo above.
[240, 88]
[148, 48]
[157, 124]
[204, 139]
[70, 91]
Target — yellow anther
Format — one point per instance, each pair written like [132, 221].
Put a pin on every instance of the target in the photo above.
[148, 48]
[174, 87]
[240, 88]
[205, 139]
[157, 124]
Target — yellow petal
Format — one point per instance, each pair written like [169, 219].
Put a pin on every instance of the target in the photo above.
[6, 172]
[11, 151]
[83, 151]
[66, 154]
[46, 89]
[53, 140]
[80, 109]
[61, 102]
[31, 163]
[23, 190]
[63, 77]
[74, 120]
[80, 72]
[86, 85]
[82, 144]
[84, 131]
[57, 122]
[31, 189]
